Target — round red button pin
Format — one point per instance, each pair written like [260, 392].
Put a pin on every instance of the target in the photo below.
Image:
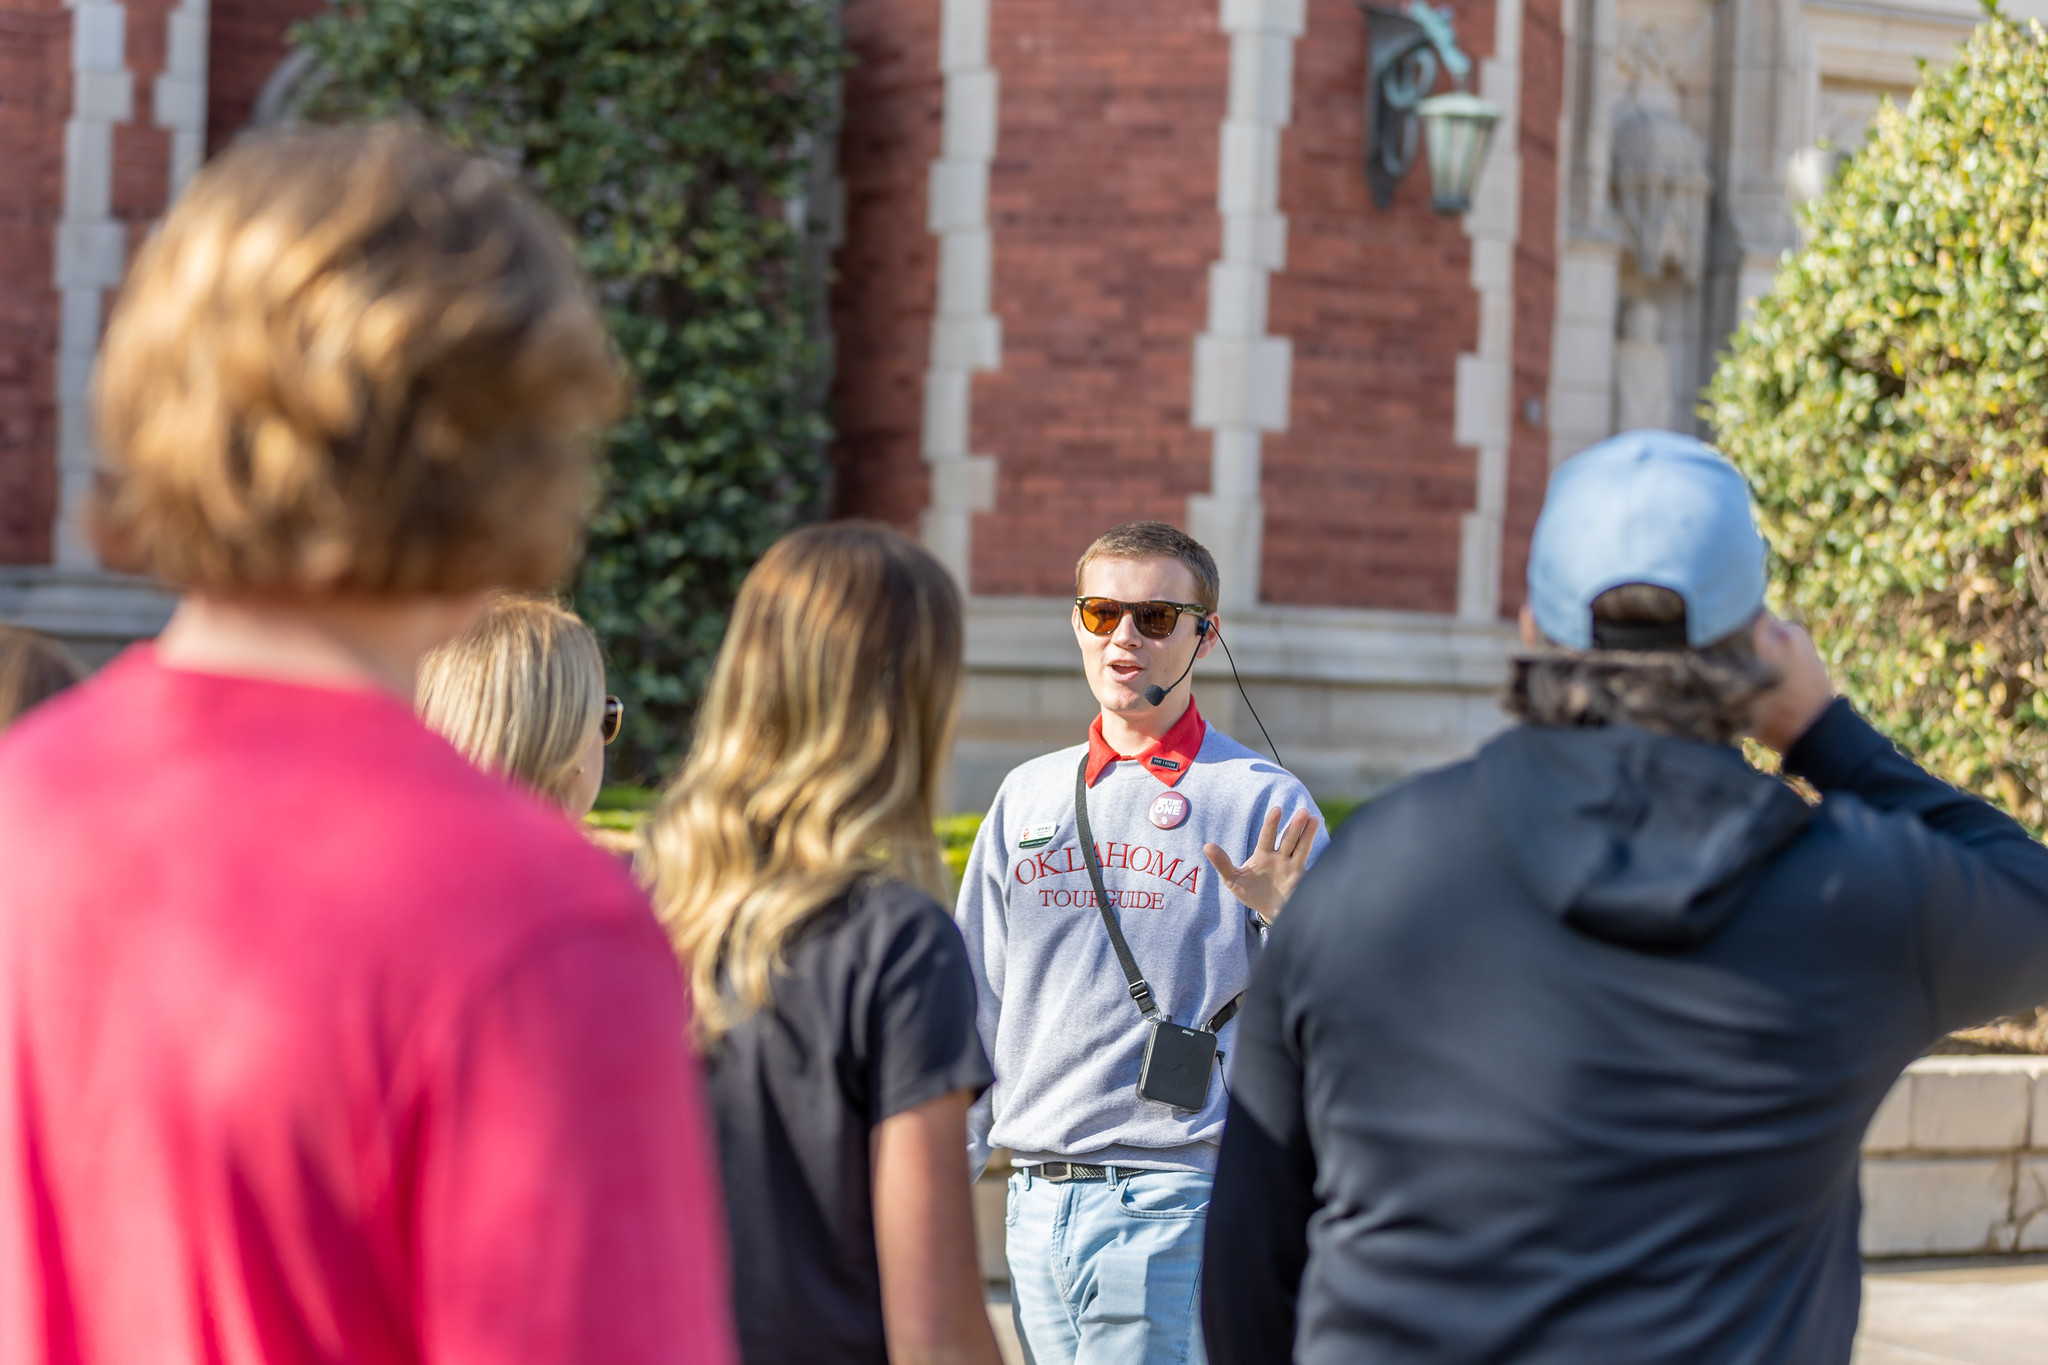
[1169, 810]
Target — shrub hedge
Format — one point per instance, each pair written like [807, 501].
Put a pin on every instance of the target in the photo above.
[1889, 401]
[670, 136]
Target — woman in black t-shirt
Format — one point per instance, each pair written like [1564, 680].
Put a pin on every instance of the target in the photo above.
[794, 865]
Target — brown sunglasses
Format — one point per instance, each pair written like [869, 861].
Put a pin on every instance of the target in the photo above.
[614, 719]
[1154, 620]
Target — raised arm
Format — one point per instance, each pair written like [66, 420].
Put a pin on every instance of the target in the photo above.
[1979, 880]
[1841, 752]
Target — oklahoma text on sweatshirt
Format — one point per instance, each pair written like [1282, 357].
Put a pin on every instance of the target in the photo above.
[1055, 1012]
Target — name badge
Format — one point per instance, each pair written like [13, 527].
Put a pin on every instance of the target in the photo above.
[1037, 836]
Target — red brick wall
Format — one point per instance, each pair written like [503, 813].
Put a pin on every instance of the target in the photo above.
[35, 100]
[142, 151]
[1365, 489]
[246, 42]
[1104, 216]
[1535, 289]
[1103, 201]
[887, 268]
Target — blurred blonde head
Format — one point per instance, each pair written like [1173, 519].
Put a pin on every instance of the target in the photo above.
[351, 361]
[817, 757]
[33, 668]
[521, 694]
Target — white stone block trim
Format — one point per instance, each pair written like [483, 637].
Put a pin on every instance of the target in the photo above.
[1582, 346]
[1485, 390]
[179, 95]
[91, 251]
[1920, 1207]
[1242, 375]
[1956, 1159]
[1944, 1105]
[1241, 386]
[966, 334]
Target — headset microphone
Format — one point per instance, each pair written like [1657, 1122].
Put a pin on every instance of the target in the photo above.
[1157, 694]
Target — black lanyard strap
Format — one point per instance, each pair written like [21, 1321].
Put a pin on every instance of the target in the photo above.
[1140, 992]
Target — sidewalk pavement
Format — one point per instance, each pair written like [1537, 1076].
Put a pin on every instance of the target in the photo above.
[1006, 1329]
[1955, 1313]
[1914, 1313]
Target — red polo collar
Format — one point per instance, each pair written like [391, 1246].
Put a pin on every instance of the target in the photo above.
[1167, 758]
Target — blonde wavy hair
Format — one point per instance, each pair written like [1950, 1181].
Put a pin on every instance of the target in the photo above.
[351, 361]
[817, 757]
[520, 694]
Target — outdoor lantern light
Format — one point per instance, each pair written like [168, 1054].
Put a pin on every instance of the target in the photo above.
[1409, 46]
[1457, 128]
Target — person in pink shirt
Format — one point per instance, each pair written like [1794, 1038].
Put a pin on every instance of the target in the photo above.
[316, 1043]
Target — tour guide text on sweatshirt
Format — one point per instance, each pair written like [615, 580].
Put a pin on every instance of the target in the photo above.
[1054, 1010]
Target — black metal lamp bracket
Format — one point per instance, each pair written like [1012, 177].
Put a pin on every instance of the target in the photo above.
[1408, 47]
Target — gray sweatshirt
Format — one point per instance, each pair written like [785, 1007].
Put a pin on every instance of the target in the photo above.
[1055, 1013]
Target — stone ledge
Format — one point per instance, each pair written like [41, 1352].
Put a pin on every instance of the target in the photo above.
[1954, 1105]
[1956, 1160]
[93, 611]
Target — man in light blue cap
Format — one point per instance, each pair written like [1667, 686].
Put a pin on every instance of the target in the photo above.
[1563, 1054]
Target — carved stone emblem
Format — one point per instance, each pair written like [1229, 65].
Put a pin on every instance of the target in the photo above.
[1660, 183]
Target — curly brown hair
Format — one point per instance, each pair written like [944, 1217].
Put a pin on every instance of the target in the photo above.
[351, 361]
[1705, 694]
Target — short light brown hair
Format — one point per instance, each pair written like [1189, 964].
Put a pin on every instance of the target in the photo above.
[351, 361]
[1157, 540]
[34, 667]
[1705, 694]
[521, 693]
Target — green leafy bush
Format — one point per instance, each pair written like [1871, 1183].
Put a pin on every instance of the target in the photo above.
[1889, 401]
[670, 136]
[956, 840]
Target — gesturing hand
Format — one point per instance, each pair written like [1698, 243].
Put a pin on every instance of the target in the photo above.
[1276, 866]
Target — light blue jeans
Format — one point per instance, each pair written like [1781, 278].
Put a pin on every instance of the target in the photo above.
[1108, 1273]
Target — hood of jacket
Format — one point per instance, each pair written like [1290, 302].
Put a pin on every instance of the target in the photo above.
[1634, 837]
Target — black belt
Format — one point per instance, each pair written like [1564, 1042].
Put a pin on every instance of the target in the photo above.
[1060, 1172]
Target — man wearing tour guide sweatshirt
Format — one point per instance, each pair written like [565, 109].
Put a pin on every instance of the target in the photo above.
[1111, 1190]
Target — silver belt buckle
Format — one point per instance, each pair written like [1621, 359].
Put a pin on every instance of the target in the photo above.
[1070, 1171]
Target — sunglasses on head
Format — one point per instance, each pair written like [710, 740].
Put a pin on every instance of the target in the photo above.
[1154, 620]
[614, 719]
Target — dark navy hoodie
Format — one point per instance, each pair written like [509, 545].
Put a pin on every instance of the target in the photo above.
[1563, 1055]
